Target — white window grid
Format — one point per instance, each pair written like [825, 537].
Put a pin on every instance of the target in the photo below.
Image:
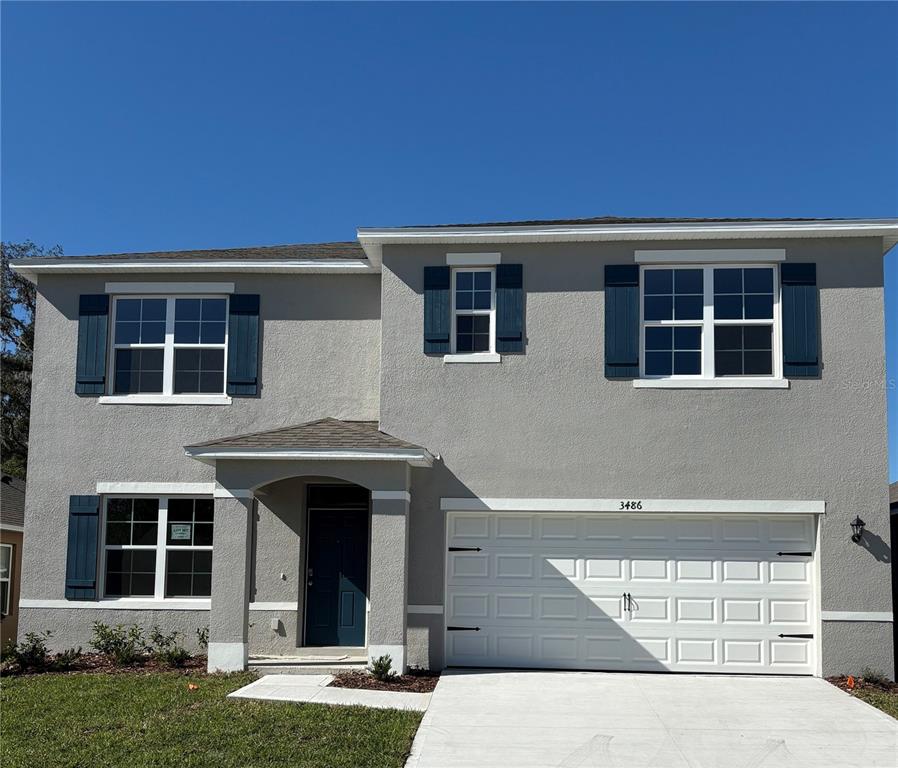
[491, 312]
[7, 577]
[161, 548]
[168, 346]
[708, 322]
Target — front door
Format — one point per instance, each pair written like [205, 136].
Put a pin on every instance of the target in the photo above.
[337, 576]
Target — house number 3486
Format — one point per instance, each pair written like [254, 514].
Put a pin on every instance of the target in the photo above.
[631, 505]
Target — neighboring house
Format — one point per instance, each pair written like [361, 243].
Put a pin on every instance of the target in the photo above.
[12, 524]
[593, 444]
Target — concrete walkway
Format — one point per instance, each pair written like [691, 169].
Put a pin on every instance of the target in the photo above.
[519, 719]
[313, 688]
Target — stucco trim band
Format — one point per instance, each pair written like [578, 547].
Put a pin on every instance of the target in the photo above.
[391, 495]
[220, 492]
[169, 287]
[473, 259]
[123, 604]
[161, 489]
[13, 528]
[711, 256]
[722, 383]
[876, 616]
[433, 609]
[655, 506]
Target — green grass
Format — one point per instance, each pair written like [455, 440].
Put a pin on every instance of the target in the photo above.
[143, 720]
[884, 700]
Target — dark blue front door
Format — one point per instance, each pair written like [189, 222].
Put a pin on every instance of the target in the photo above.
[337, 577]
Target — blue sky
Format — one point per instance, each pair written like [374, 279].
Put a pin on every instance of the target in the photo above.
[143, 126]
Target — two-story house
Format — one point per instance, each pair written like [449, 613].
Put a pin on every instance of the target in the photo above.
[617, 444]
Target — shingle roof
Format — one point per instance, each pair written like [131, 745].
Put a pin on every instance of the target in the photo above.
[12, 501]
[323, 434]
[344, 250]
[893, 494]
[608, 220]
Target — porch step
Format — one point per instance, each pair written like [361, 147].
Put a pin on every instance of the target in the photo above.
[319, 661]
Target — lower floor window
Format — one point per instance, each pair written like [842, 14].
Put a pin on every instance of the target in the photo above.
[5, 577]
[158, 547]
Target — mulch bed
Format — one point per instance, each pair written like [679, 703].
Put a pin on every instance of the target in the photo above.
[95, 663]
[419, 681]
[860, 684]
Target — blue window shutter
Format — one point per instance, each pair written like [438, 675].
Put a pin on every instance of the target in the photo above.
[622, 321]
[93, 329]
[437, 310]
[801, 324]
[243, 345]
[81, 563]
[509, 308]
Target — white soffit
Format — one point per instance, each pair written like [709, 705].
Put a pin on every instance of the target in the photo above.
[76, 265]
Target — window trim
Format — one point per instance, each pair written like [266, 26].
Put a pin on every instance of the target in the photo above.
[707, 379]
[487, 356]
[161, 546]
[4, 609]
[167, 396]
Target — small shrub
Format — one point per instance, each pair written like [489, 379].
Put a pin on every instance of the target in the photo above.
[122, 645]
[875, 678]
[32, 652]
[8, 652]
[166, 648]
[202, 638]
[65, 660]
[382, 668]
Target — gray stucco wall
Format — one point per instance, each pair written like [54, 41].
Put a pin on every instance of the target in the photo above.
[547, 423]
[320, 357]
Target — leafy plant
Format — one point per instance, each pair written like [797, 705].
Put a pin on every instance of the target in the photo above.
[874, 678]
[382, 668]
[167, 649]
[202, 638]
[32, 652]
[65, 660]
[123, 645]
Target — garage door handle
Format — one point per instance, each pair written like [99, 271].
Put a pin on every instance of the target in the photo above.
[794, 554]
[464, 549]
[462, 629]
[803, 637]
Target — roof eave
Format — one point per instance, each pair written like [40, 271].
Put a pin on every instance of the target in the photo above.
[372, 239]
[32, 268]
[211, 454]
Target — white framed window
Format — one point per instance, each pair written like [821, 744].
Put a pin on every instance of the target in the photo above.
[168, 346]
[6, 561]
[157, 547]
[473, 311]
[702, 322]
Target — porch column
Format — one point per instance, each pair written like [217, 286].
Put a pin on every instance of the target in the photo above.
[231, 555]
[388, 590]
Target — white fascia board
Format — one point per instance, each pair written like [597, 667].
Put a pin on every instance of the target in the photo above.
[31, 270]
[653, 506]
[169, 288]
[211, 454]
[376, 238]
[711, 256]
[158, 489]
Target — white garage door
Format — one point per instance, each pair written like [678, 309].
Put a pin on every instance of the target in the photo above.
[640, 592]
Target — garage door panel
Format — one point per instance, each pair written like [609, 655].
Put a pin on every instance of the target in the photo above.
[705, 593]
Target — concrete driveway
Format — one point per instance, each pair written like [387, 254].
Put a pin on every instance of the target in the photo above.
[520, 719]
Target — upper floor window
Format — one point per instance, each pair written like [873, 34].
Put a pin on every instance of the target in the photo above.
[473, 310]
[157, 547]
[173, 345]
[710, 322]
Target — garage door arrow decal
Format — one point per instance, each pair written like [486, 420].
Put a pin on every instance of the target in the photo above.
[464, 549]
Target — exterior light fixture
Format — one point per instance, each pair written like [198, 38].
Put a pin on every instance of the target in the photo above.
[857, 529]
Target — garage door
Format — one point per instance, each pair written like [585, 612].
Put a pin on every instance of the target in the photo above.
[594, 591]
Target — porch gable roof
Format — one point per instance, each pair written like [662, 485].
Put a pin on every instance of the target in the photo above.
[327, 438]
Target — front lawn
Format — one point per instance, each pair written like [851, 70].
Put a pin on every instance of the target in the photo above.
[153, 719]
[875, 690]
[885, 700]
